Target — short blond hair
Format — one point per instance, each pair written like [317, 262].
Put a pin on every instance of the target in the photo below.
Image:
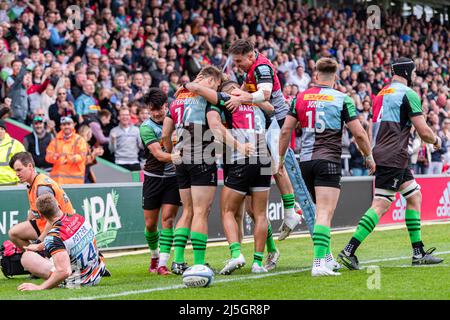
[327, 66]
[47, 205]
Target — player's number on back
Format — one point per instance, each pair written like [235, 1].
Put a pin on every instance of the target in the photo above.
[249, 118]
[319, 125]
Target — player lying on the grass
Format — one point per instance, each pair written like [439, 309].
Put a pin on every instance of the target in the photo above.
[322, 111]
[160, 188]
[262, 84]
[395, 109]
[75, 260]
[244, 174]
[196, 174]
[36, 227]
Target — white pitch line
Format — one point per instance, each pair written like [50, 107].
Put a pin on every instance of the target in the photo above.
[260, 276]
[117, 254]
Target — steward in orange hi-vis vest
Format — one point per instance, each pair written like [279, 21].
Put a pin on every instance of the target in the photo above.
[68, 156]
[64, 203]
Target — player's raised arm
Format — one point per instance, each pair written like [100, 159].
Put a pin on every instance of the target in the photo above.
[209, 94]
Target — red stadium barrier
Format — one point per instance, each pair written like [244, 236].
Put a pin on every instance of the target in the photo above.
[435, 201]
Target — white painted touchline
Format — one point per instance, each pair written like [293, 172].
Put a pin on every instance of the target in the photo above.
[294, 236]
[251, 277]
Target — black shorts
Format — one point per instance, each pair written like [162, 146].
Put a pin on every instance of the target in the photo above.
[389, 178]
[248, 178]
[35, 227]
[321, 173]
[158, 191]
[200, 175]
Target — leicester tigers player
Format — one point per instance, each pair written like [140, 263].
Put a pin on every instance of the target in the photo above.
[72, 245]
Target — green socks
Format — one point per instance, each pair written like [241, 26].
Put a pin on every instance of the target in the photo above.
[180, 239]
[258, 258]
[166, 240]
[152, 240]
[321, 240]
[288, 201]
[366, 225]
[412, 219]
[270, 243]
[235, 249]
[199, 245]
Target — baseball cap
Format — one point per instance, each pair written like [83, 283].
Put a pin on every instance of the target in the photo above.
[38, 119]
[66, 120]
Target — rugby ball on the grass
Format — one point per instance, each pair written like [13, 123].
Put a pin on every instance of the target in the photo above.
[198, 276]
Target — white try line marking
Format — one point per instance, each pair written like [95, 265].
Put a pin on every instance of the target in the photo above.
[251, 277]
[249, 239]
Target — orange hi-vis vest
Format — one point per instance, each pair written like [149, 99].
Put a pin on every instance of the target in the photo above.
[70, 166]
[63, 201]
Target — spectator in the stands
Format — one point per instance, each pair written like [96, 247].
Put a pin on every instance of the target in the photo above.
[438, 156]
[300, 78]
[125, 142]
[92, 153]
[62, 108]
[86, 104]
[37, 142]
[160, 73]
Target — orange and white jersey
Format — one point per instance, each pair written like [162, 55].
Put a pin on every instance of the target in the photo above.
[74, 234]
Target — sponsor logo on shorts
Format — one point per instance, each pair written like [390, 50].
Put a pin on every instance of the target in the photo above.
[398, 214]
[395, 183]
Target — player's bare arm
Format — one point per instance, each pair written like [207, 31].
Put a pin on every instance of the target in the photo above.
[209, 94]
[223, 135]
[425, 132]
[62, 271]
[362, 140]
[166, 135]
[285, 136]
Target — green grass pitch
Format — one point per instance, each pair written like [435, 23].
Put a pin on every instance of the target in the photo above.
[388, 250]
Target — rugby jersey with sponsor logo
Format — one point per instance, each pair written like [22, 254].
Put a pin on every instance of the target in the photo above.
[322, 111]
[188, 112]
[74, 234]
[393, 107]
[248, 124]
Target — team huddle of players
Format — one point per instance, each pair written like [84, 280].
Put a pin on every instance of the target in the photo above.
[214, 119]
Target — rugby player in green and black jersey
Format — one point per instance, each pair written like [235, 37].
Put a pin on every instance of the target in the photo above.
[160, 190]
[395, 109]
